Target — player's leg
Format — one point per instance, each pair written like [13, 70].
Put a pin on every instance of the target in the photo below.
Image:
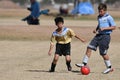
[53, 65]
[56, 57]
[107, 63]
[66, 52]
[68, 62]
[85, 58]
[92, 46]
[103, 48]
[106, 59]
[27, 18]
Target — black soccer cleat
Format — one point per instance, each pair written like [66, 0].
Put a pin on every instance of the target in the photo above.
[70, 68]
[51, 70]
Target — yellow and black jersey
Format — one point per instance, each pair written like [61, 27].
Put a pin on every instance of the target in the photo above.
[64, 37]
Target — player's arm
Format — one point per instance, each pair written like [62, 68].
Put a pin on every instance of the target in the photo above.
[95, 30]
[51, 45]
[51, 48]
[76, 36]
[81, 39]
[108, 28]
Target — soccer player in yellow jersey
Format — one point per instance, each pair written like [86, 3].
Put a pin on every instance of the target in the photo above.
[62, 36]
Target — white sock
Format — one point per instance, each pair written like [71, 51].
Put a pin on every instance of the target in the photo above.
[107, 63]
[85, 59]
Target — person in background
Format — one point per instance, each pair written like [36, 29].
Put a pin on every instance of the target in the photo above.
[63, 10]
[32, 19]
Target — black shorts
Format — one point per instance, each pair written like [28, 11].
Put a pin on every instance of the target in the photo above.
[101, 41]
[63, 49]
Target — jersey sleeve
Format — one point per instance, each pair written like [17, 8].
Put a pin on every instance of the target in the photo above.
[53, 39]
[111, 21]
[71, 32]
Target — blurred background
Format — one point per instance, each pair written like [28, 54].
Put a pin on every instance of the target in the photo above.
[70, 9]
[113, 3]
[56, 4]
[79, 14]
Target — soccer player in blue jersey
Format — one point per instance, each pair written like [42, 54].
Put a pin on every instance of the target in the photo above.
[102, 39]
[62, 37]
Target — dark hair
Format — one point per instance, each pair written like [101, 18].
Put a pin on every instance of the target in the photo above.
[58, 19]
[102, 6]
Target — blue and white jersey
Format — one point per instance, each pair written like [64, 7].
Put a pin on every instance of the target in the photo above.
[104, 22]
[35, 9]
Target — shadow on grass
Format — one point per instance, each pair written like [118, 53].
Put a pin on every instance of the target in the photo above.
[37, 70]
[47, 71]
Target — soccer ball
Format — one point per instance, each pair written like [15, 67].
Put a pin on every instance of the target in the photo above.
[85, 70]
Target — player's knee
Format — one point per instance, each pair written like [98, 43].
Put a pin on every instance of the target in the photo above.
[55, 60]
[105, 56]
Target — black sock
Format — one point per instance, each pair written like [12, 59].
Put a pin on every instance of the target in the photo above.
[109, 66]
[84, 63]
[53, 67]
[68, 63]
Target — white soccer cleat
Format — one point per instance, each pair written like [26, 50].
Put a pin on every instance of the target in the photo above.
[108, 70]
[79, 65]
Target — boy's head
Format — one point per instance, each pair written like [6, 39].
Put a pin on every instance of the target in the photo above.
[102, 8]
[58, 20]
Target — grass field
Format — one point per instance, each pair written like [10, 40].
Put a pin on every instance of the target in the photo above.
[23, 49]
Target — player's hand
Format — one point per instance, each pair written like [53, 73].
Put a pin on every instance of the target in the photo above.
[83, 40]
[94, 31]
[102, 29]
[49, 53]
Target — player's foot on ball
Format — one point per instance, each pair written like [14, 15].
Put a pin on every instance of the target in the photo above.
[108, 70]
[79, 65]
